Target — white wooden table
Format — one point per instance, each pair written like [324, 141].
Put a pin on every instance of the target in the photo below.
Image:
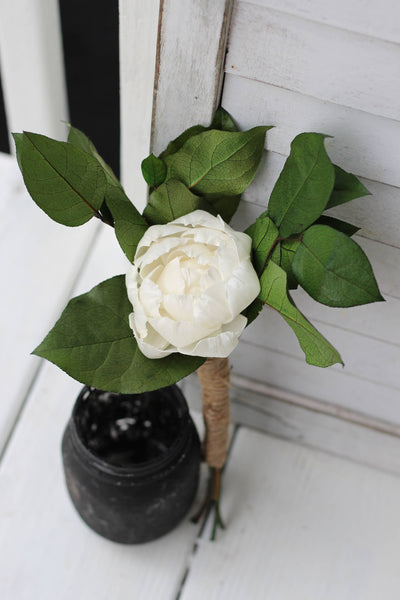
[312, 516]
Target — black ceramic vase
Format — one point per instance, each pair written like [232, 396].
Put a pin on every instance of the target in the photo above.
[131, 462]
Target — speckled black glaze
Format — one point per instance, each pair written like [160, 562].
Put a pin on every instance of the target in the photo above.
[131, 462]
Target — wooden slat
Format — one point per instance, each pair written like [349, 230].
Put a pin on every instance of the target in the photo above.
[377, 19]
[32, 67]
[192, 50]
[138, 43]
[364, 357]
[310, 422]
[301, 525]
[318, 60]
[332, 385]
[364, 144]
[48, 550]
[39, 261]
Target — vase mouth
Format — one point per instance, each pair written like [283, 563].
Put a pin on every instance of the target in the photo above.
[144, 468]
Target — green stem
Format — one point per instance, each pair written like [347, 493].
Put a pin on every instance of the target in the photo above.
[211, 503]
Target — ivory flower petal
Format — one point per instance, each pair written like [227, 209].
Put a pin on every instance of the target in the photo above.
[188, 284]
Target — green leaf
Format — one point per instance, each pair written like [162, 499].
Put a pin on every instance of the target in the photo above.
[79, 139]
[318, 351]
[18, 139]
[333, 269]
[304, 186]
[154, 170]
[264, 235]
[92, 342]
[342, 226]
[218, 162]
[178, 142]
[172, 200]
[287, 250]
[346, 188]
[129, 224]
[64, 181]
[222, 120]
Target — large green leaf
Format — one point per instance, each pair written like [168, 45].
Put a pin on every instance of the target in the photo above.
[318, 351]
[333, 269]
[346, 188]
[129, 224]
[79, 139]
[304, 186]
[218, 162]
[154, 170]
[222, 120]
[178, 142]
[117, 209]
[287, 251]
[18, 139]
[172, 200]
[264, 235]
[92, 342]
[66, 182]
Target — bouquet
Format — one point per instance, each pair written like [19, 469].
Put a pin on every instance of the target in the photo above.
[193, 283]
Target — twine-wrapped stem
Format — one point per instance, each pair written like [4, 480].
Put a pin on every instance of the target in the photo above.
[214, 380]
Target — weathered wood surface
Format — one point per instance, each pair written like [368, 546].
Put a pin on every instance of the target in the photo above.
[325, 62]
[138, 45]
[377, 19]
[191, 60]
[310, 422]
[40, 261]
[32, 67]
[301, 525]
[364, 144]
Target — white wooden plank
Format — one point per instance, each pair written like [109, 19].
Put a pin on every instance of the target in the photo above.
[138, 44]
[301, 525]
[364, 144]
[192, 50]
[378, 215]
[50, 552]
[39, 260]
[364, 357]
[311, 423]
[337, 386]
[32, 67]
[347, 68]
[364, 16]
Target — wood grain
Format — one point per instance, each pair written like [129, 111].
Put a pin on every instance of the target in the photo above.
[301, 524]
[364, 144]
[363, 16]
[318, 60]
[192, 51]
[40, 261]
[32, 67]
[138, 44]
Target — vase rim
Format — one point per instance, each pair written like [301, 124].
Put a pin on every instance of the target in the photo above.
[135, 472]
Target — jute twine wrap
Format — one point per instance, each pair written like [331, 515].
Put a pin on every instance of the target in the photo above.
[214, 380]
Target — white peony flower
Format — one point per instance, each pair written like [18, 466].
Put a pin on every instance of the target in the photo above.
[189, 282]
